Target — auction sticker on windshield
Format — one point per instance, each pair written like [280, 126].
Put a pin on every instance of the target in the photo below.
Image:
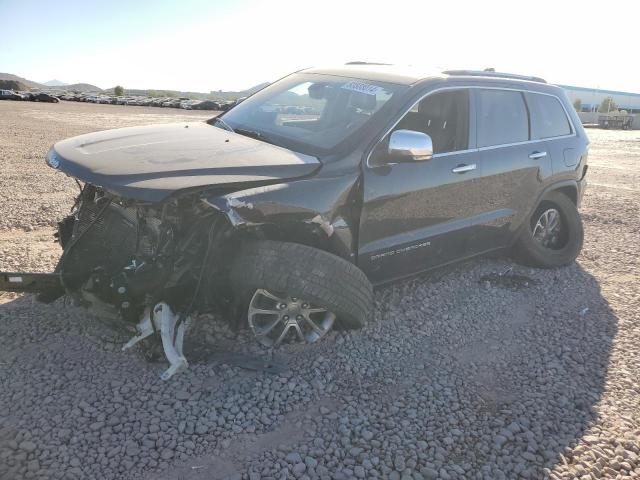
[362, 87]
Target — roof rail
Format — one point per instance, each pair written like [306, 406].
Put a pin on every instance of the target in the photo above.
[492, 73]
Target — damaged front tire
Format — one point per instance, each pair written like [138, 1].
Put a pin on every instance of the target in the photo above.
[287, 289]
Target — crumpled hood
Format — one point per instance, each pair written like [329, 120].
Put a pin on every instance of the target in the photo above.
[152, 162]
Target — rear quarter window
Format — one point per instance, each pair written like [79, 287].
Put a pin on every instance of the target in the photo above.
[502, 118]
[548, 117]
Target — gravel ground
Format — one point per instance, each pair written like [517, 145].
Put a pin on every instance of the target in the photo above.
[453, 377]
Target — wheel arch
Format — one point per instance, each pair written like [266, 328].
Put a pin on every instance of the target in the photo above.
[569, 188]
[570, 191]
[531, 253]
[315, 232]
[319, 213]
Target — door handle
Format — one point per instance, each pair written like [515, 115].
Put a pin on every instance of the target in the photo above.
[536, 155]
[464, 168]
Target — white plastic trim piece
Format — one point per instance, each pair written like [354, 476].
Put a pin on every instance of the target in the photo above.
[165, 322]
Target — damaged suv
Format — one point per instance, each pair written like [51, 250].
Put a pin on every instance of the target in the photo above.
[284, 211]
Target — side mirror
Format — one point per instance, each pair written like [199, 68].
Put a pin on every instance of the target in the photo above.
[410, 145]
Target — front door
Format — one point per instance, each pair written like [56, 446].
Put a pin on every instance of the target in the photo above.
[417, 214]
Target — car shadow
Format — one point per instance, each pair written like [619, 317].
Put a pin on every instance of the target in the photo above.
[521, 354]
[496, 368]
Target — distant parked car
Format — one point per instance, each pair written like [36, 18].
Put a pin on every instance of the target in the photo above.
[43, 97]
[9, 95]
[206, 105]
[187, 104]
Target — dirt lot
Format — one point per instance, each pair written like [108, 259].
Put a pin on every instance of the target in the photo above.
[452, 378]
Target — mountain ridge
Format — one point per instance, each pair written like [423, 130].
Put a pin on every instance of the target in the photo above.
[55, 83]
[21, 83]
[30, 84]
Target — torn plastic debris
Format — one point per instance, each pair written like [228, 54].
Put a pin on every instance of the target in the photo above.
[234, 202]
[164, 321]
[228, 206]
[324, 224]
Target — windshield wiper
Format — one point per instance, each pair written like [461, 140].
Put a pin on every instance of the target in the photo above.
[218, 121]
[252, 134]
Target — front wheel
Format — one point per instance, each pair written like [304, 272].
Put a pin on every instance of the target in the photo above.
[554, 234]
[287, 290]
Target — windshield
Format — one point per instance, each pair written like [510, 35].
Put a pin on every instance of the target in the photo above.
[309, 112]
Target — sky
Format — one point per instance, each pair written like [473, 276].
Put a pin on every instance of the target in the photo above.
[205, 45]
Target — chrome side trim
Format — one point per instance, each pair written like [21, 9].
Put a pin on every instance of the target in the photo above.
[491, 147]
[457, 152]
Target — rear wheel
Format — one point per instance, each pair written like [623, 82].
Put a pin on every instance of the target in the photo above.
[554, 234]
[289, 291]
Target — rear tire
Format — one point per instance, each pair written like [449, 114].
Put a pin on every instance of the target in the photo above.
[563, 247]
[302, 272]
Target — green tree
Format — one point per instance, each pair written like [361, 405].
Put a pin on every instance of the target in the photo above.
[607, 105]
[577, 104]
[118, 91]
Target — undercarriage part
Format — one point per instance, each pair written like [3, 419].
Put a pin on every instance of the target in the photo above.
[250, 362]
[29, 282]
[171, 330]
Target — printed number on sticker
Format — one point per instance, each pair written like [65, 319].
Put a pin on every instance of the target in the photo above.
[362, 87]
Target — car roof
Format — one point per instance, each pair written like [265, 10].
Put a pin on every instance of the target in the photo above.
[404, 75]
[410, 75]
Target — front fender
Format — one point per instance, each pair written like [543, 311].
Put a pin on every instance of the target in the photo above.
[323, 211]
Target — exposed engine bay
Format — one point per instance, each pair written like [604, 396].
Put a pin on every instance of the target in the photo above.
[149, 266]
[138, 263]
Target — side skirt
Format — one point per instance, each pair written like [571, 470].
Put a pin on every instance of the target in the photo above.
[401, 278]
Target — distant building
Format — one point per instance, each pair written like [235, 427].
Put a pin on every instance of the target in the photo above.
[591, 98]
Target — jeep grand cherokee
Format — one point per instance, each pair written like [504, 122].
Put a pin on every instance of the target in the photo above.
[286, 209]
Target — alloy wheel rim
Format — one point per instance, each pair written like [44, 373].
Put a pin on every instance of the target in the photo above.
[548, 228]
[275, 317]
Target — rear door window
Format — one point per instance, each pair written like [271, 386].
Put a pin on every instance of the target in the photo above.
[548, 117]
[502, 118]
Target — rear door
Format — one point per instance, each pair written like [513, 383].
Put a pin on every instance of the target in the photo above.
[513, 166]
[550, 123]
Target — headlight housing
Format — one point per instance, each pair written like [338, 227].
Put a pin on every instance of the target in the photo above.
[52, 158]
